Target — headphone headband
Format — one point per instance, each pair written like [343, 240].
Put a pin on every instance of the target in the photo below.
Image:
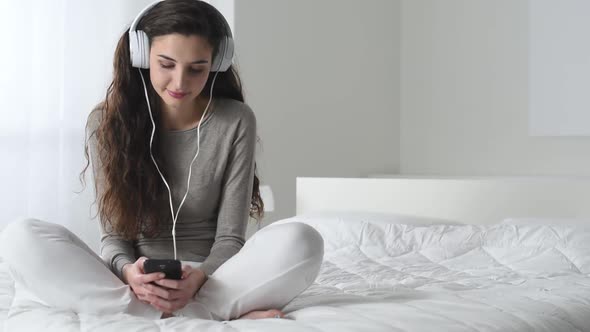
[141, 14]
[139, 45]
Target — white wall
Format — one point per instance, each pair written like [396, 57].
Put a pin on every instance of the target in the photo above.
[465, 93]
[559, 68]
[323, 80]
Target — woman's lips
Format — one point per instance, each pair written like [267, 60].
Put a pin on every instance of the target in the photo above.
[177, 95]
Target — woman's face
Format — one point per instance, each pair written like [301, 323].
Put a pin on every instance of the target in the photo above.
[179, 68]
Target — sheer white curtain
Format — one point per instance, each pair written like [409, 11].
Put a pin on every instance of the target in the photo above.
[56, 59]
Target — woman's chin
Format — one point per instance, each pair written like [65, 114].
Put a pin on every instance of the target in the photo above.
[174, 103]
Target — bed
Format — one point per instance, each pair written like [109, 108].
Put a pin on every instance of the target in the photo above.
[413, 254]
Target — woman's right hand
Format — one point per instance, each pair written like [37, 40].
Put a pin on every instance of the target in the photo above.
[140, 282]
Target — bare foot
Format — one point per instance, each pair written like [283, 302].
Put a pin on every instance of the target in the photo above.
[272, 313]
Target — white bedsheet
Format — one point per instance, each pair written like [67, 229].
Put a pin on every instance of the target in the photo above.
[391, 277]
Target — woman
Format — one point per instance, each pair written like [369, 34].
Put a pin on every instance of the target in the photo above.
[143, 140]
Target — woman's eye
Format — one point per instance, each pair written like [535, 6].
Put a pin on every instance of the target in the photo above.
[191, 70]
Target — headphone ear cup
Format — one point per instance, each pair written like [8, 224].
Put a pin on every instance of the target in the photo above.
[145, 49]
[223, 60]
[139, 46]
[134, 49]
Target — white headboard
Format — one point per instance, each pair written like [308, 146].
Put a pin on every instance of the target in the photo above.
[473, 200]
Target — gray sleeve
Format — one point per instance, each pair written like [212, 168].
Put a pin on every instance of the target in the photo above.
[236, 195]
[114, 250]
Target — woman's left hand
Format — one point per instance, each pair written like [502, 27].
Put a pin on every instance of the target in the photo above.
[177, 293]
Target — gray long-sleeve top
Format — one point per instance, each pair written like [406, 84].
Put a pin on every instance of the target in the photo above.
[211, 225]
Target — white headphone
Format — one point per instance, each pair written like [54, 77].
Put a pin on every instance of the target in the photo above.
[139, 44]
[139, 47]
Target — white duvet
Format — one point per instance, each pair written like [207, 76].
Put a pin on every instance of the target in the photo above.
[390, 277]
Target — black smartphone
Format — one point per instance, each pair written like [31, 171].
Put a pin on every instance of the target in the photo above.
[171, 267]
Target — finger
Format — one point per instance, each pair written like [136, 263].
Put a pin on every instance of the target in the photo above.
[143, 299]
[151, 277]
[170, 283]
[172, 294]
[154, 301]
[140, 261]
[165, 305]
[178, 295]
[159, 308]
[186, 270]
[158, 291]
[174, 306]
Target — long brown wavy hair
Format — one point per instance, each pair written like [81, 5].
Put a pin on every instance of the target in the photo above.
[134, 198]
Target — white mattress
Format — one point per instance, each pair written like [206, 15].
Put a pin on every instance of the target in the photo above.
[390, 277]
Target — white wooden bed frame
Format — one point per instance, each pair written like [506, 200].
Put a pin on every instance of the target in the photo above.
[472, 200]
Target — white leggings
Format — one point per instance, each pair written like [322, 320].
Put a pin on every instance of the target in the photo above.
[51, 265]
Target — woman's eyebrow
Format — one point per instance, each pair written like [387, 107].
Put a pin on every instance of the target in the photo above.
[198, 62]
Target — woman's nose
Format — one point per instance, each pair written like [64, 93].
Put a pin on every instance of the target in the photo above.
[180, 80]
